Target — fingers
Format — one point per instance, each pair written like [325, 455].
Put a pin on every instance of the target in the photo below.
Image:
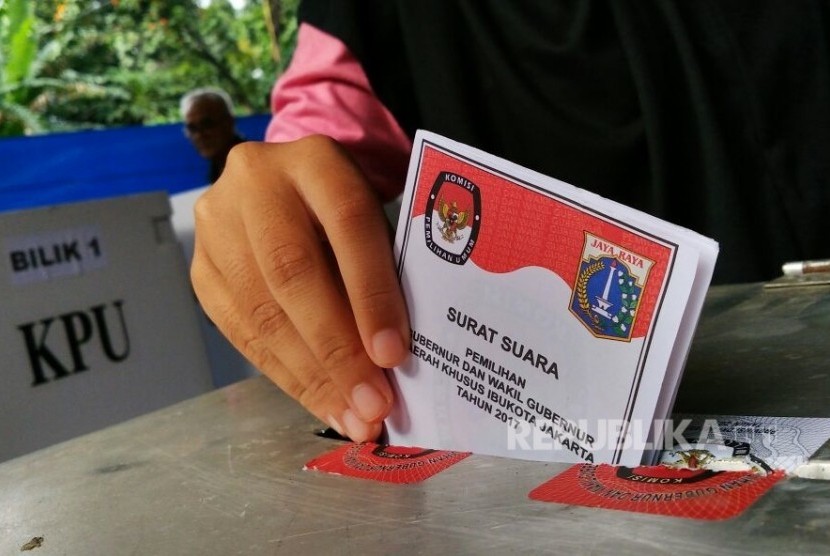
[263, 275]
[286, 244]
[359, 234]
[267, 335]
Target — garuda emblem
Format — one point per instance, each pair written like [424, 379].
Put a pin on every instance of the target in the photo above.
[453, 220]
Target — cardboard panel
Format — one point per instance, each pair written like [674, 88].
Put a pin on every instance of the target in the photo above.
[98, 322]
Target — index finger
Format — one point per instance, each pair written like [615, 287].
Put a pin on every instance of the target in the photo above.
[359, 234]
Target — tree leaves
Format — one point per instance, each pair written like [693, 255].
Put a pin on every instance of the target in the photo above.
[73, 64]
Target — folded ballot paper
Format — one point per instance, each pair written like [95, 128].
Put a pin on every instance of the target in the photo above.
[548, 323]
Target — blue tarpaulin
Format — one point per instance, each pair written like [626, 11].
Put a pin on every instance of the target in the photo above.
[59, 168]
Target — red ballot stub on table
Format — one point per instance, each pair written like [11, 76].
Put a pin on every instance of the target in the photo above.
[390, 464]
[695, 494]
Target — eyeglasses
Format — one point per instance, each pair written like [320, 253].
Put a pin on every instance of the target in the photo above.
[205, 124]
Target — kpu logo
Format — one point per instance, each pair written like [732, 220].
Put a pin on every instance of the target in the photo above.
[49, 340]
[453, 217]
[608, 288]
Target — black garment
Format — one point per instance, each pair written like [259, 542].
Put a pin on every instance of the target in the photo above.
[712, 115]
[218, 164]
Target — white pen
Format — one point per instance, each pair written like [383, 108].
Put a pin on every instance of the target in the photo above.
[799, 268]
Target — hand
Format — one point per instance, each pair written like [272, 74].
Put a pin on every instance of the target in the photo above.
[292, 261]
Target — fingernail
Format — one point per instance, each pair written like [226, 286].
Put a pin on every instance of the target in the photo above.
[388, 348]
[368, 402]
[357, 429]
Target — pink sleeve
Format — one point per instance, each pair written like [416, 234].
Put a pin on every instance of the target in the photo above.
[325, 90]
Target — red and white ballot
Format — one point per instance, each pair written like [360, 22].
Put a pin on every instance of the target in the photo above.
[548, 323]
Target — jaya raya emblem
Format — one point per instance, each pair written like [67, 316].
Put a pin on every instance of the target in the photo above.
[608, 288]
[452, 217]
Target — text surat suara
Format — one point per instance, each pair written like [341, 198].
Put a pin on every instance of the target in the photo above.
[517, 349]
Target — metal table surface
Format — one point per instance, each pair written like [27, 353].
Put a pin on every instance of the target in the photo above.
[222, 473]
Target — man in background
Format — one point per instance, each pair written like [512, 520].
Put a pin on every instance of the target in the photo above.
[209, 124]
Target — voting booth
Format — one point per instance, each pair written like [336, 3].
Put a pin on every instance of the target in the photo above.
[99, 322]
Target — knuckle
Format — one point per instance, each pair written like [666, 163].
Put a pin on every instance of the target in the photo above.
[202, 210]
[198, 276]
[269, 319]
[376, 298]
[322, 151]
[254, 350]
[246, 279]
[352, 212]
[258, 353]
[241, 155]
[317, 141]
[289, 263]
[225, 319]
[338, 353]
[310, 386]
[315, 392]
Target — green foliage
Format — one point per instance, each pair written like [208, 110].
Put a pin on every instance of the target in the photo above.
[20, 50]
[17, 54]
[285, 25]
[71, 64]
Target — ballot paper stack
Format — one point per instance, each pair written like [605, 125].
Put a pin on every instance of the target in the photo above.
[548, 323]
